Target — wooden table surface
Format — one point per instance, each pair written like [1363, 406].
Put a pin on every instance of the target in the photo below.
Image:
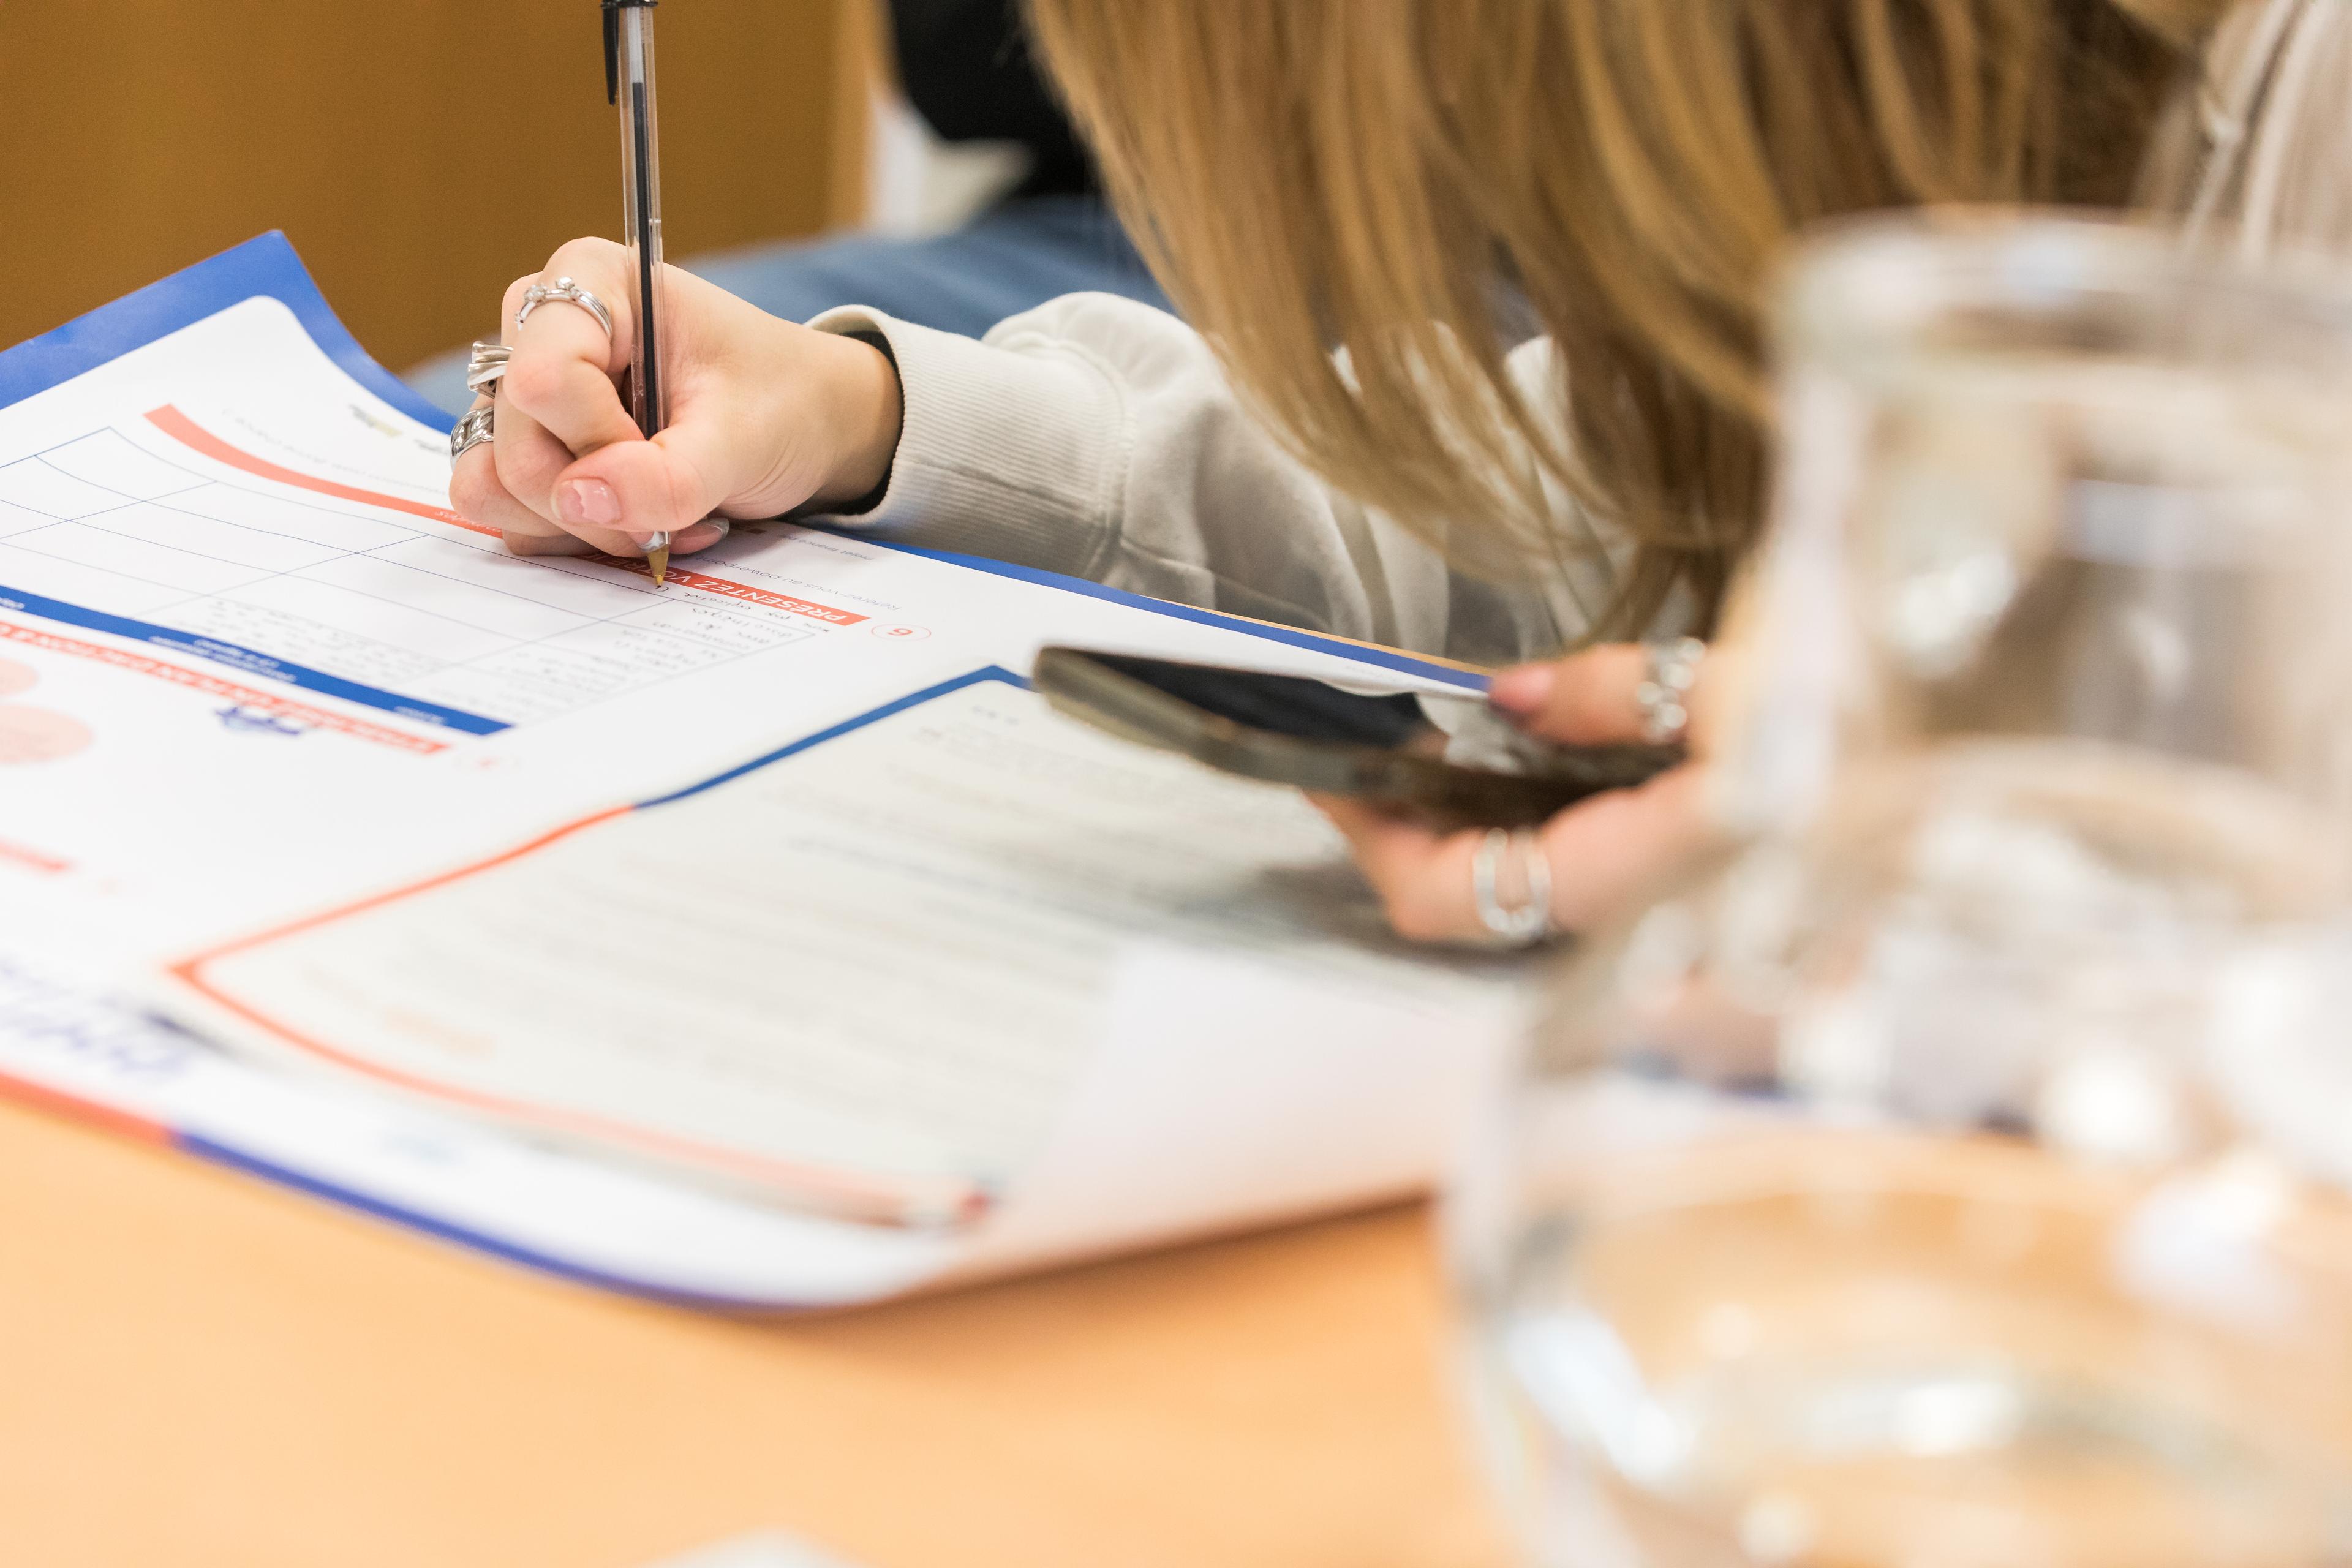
[197, 1369]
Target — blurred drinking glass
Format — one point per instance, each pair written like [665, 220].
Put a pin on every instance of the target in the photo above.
[1954, 1173]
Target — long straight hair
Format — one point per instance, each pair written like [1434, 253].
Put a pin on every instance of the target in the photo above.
[1404, 180]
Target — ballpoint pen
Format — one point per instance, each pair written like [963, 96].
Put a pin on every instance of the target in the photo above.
[629, 82]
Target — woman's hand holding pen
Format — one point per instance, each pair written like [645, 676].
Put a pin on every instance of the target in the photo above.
[764, 416]
[1602, 851]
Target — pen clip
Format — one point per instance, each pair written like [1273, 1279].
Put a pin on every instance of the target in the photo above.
[613, 9]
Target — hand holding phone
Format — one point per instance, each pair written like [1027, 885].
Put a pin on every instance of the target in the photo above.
[1452, 762]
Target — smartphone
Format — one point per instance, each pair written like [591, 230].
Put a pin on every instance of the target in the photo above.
[1450, 760]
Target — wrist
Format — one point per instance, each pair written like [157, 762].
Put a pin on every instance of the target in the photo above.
[868, 409]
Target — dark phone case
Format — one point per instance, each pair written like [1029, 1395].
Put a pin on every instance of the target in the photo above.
[1082, 686]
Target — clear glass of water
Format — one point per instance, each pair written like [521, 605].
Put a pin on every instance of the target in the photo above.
[1954, 1171]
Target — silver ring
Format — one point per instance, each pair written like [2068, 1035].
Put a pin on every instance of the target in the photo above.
[485, 364]
[1525, 924]
[1663, 696]
[472, 430]
[571, 293]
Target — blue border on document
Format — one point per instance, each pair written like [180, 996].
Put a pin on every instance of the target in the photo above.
[264, 265]
[1313, 642]
[549, 1263]
[250, 661]
[872, 715]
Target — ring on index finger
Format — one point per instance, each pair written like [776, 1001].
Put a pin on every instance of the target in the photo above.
[484, 365]
[571, 293]
[475, 427]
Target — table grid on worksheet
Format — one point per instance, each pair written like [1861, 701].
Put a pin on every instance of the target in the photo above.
[102, 522]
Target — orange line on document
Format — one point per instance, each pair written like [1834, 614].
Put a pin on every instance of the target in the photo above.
[41, 1096]
[32, 860]
[212, 686]
[186, 970]
[188, 433]
[727, 587]
[862, 1197]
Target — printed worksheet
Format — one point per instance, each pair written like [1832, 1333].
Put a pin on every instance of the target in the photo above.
[288, 744]
[249, 658]
[383, 601]
[864, 972]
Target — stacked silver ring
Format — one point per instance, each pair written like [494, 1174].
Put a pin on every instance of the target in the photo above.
[1523, 924]
[484, 365]
[571, 293]
[472, 430]
[1663, 696]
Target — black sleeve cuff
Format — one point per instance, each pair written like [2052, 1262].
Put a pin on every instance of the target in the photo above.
[872, 498]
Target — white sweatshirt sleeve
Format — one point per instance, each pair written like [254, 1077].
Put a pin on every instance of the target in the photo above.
[1098, 438]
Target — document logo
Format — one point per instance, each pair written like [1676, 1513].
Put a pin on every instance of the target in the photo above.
[246, 721]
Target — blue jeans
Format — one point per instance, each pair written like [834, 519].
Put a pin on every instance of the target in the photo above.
[1005, 261]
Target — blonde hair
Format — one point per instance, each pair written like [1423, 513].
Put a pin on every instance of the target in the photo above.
[2257, 155]
[1399, 178]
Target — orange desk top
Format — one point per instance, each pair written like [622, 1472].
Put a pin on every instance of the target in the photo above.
[196, 1369]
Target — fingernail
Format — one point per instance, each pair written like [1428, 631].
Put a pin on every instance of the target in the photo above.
[590, 501]
[1522, 690]
[648, 540]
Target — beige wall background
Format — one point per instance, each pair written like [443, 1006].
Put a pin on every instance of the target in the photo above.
[420, 154]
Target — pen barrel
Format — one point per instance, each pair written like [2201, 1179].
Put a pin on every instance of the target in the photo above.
[640, 212]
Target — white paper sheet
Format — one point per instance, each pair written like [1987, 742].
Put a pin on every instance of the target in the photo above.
[871, 968]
